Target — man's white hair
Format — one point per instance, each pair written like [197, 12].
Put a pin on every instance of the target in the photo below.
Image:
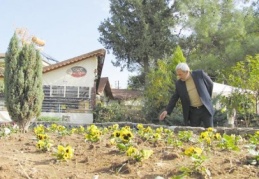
[183, 67]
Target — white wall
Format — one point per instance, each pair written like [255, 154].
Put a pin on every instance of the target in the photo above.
[61, 77]
[76, 118]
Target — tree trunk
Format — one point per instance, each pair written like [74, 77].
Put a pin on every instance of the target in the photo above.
[24, 125]
[146, 70]
[231, 116]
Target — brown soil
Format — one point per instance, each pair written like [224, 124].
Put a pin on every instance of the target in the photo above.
[19, 158]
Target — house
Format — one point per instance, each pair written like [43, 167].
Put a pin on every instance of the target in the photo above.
[3, 116]
[125, 97]
[2, 55]
[104, 93]
[70, 87]
[223, 89]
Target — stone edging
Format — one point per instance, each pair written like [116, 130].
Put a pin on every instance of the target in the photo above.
[176, 129]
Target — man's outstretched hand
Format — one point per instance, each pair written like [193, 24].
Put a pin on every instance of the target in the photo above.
[163, 115]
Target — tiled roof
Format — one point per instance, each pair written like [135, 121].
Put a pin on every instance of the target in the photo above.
[104, 86]
[119, 94]
[124, 94]
[99, 53]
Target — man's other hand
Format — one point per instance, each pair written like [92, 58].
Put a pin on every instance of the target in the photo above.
[163, 115]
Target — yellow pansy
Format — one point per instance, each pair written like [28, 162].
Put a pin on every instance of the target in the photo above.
[132, 151]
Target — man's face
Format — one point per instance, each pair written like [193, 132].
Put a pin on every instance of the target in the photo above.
[182, 75]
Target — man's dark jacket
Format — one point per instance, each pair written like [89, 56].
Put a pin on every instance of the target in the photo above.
[204, 86]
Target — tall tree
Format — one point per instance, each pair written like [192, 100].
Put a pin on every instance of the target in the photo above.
[219, 33]
[23, 83]
[138, 32]
[136, 81]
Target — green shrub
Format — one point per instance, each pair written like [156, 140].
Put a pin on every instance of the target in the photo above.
[219, 118]
[48, 118]
[117, 113]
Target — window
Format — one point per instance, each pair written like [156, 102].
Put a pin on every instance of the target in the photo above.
[57, 91]
[83, 92]
[71, 91]
[46, 90]
[65, 99]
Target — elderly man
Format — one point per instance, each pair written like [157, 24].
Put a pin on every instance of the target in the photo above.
[194, 90]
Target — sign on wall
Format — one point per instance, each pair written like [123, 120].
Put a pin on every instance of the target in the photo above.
[77, 71]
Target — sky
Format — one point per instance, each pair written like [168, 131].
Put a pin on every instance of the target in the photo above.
[68, 27]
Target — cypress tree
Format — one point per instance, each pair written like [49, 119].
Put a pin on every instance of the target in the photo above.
[23, 83]
[10, 71]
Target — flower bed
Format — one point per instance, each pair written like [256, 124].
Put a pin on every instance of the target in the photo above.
[127, 151]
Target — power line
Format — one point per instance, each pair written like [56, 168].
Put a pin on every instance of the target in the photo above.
[48, 57]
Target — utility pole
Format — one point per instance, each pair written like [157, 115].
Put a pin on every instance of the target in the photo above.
[117, 84]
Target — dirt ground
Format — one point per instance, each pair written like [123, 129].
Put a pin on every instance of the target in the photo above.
[19, 158]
